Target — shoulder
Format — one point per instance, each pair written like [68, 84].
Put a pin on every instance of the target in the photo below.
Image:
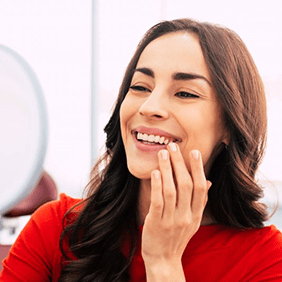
[267, 233]
[250, 255]
[55, 210]
[263, 252]
[268, 237]
[259, 251]
[268, 240]
[46, 223]
[250, 241]
[36, 252]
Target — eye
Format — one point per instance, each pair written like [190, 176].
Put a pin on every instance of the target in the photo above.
[183, 94]
[139, 88]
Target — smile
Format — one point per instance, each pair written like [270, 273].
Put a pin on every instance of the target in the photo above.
[153, 139]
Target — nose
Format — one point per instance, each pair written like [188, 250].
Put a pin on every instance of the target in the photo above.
[155, 106]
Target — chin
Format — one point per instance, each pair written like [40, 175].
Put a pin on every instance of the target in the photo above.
[141, 166]
[141, 172]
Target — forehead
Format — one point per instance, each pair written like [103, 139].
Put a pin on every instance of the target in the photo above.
[175, 52]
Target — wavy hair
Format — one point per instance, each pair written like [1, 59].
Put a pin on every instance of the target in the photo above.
[109, 216]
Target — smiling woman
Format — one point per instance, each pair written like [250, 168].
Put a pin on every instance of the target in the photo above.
[171, 92]
[174, 197]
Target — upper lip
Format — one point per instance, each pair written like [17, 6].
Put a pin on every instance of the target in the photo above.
[155, 131]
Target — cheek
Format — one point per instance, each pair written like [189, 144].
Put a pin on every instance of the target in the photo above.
[204, 132]
[123, 118]
[126, 112]
[213, 144]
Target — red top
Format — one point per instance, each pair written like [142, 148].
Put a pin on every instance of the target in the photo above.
[215, 253]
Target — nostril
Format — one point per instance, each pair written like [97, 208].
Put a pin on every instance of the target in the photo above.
[152, 115]
[157, 116]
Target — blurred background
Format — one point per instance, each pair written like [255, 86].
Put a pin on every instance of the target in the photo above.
[80, 49]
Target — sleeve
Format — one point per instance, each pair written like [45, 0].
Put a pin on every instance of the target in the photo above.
[268, 262]
[36, 256]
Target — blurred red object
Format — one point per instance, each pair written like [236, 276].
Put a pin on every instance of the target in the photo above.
[45, 191]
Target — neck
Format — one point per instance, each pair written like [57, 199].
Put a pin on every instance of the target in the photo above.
[144, 200]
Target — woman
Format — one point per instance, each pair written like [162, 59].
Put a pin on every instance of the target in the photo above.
[174, 198]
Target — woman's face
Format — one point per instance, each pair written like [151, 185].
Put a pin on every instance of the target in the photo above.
[170, 99]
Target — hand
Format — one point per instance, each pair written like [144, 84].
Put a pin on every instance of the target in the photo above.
[177, 204]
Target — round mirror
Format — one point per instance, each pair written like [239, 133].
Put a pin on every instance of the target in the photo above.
[23, 129]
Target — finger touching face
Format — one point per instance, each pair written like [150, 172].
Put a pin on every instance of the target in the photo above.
[171, 99]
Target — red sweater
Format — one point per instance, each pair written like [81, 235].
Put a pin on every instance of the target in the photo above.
[215, 253]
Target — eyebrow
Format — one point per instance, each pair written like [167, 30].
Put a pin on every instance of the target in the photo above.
[146, 71]
[176, 76]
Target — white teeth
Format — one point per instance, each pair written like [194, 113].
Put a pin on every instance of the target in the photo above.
[157, 139]
[161, 140]
[152, 138]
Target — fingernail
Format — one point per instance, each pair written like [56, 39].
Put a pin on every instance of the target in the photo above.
[164, 154]
[172, 146]
[156, 174]
[195, 154]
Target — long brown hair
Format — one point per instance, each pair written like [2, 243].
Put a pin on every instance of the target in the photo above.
[111, 210]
